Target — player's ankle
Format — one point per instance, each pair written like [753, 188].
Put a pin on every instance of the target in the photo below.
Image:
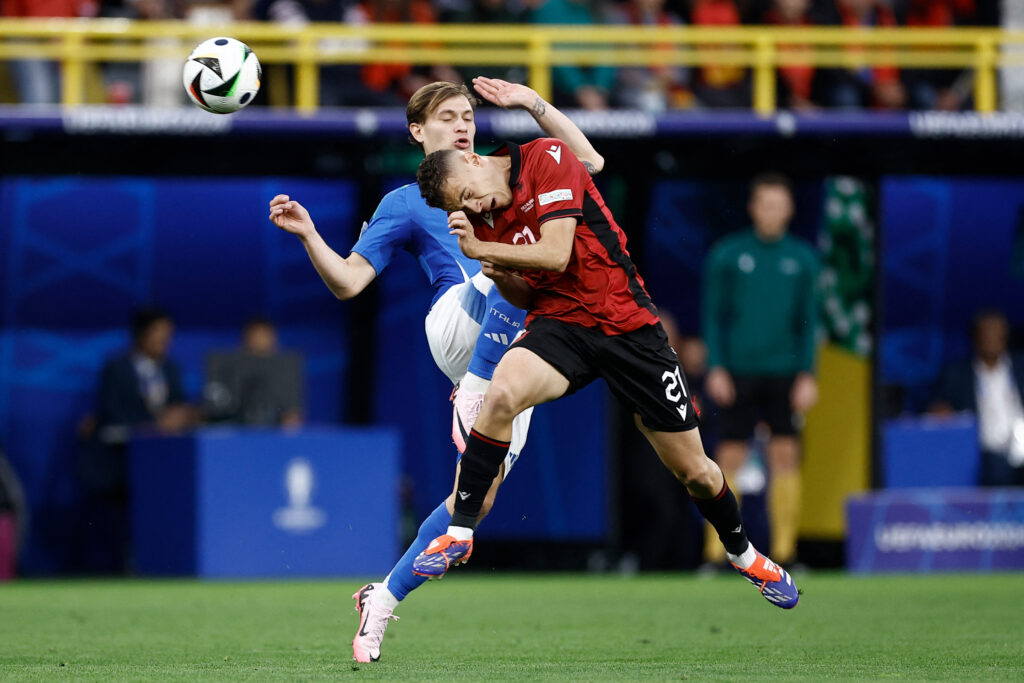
[385, 598]
[745, 559]
[460, 533]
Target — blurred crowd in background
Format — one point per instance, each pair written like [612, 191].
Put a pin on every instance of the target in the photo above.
[594, 88]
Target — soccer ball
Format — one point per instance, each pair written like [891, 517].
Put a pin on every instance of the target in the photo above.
[222, 75]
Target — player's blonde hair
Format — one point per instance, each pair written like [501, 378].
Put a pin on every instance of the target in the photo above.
[427, 99]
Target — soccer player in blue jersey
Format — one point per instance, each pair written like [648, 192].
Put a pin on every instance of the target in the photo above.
[467, 317]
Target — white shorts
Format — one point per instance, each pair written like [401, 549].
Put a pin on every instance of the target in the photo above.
[453, 326]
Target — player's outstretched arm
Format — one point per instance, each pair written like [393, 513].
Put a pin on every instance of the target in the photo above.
[555, 123]
[344, 277]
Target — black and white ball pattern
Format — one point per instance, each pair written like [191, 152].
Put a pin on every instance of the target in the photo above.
[222, 75]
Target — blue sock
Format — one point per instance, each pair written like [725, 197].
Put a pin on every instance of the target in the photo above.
[402, 581]
[501, 324]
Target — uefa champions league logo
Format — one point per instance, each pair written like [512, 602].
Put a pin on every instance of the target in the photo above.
[299, 516]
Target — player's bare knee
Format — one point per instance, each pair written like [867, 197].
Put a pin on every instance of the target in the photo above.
[501, 402]
[695, 470]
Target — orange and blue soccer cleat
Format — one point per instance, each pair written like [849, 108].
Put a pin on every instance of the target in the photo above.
[775, 584]
[443, 553]
[373, 621]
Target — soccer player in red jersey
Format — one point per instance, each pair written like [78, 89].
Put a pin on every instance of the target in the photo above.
[533, 218]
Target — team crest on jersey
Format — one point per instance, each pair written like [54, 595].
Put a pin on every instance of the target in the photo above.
[528, 206]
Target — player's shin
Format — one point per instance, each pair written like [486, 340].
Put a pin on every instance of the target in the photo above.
[723, 513]
[402, 581]
[479, 466]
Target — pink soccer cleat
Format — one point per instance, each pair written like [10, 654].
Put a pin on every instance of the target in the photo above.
[373, 621]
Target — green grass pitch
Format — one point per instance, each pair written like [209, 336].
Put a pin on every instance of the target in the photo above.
[478, 626]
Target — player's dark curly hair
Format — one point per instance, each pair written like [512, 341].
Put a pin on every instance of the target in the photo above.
[432, 175]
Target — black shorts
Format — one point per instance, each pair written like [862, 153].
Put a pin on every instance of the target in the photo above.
[640, 368]
[759, 397]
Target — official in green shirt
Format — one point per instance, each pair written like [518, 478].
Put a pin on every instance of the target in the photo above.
[759, 318]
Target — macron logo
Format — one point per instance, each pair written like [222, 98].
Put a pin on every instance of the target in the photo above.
[463, 495]
[556, 153]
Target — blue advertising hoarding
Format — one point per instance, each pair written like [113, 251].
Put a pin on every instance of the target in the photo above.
[226, 503]
[930, 451]
[941, 529]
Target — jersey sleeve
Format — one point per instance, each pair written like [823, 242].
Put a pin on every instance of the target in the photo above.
[559, 180]
[387, 231]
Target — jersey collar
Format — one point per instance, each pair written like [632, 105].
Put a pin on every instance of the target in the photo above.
[511, 150]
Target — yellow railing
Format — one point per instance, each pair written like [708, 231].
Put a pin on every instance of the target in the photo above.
[78, 42]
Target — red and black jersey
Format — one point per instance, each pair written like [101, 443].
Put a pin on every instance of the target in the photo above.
[600, 286]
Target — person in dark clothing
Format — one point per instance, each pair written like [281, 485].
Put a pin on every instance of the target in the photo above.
[990, 384]
[760, 307]
[140, 390]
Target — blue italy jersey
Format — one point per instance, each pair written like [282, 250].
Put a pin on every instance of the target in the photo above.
[404, 221]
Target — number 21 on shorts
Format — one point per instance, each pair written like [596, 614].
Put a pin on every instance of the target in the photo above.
[675, 390]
